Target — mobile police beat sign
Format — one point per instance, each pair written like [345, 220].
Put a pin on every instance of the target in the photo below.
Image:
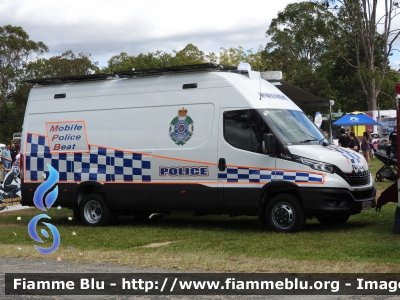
[67, 136]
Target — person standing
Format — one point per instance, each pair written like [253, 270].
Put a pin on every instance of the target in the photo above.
[393, 141]
[13, 152]
[344, 139]
[365, 146]
[354, 144]
[2, 170]
[7, 158]
[17, 161]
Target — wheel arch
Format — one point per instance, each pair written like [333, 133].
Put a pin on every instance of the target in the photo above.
[85, 188]
[274, 188]
[89, 187]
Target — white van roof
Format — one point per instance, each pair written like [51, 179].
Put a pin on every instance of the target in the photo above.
[297, 95]
[239, 87]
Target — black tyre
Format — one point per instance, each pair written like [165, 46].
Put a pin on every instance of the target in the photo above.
[94, 210]
[285, 214]
[336, 220]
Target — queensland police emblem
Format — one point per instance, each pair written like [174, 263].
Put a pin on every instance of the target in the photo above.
[181, 127]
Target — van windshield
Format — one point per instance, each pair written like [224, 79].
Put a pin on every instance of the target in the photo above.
[294, 127]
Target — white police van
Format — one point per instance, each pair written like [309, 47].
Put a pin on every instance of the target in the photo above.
[202, 138]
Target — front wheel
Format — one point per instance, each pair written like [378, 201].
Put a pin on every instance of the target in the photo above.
[94, 210]
[285, 214]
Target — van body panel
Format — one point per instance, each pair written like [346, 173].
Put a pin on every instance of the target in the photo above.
[153, 145]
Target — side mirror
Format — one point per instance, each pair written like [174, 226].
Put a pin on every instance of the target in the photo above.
[268, 144]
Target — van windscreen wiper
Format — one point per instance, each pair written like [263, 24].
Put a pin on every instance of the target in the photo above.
[306, 141]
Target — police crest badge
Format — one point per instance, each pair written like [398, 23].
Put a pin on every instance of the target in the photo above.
[181, 127]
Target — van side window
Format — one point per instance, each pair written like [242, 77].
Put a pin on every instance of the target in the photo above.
[237, 128]
[244, 129]
[258, 128]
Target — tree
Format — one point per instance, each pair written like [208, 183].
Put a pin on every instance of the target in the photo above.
[16, 52]
[344, 83]
[299, 36]
[360, 23]
[66, 64]
[234, 56]
[312, 44]
[190, 54]
[125, 62]
[299, 46]
[12, 114]
[211, 58]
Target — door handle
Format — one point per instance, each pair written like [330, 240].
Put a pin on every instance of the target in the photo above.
[222, 164]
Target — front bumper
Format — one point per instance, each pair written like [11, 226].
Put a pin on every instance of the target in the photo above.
[331, 202]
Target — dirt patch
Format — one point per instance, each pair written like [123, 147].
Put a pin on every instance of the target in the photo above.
[154, 245]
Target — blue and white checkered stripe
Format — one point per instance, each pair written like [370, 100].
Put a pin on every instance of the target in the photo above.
[101, 164]
[245, 175]
[352, 157]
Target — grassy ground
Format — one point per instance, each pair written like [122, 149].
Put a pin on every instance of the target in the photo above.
[364, 244]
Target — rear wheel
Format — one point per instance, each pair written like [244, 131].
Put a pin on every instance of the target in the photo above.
[336, 220]
[94, 210]
[285, 214]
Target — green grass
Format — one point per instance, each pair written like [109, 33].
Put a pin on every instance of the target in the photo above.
[365, 238]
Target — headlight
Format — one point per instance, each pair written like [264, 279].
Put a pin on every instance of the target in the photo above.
[316, 165]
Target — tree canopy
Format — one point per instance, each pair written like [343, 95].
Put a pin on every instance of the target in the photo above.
[333, 49]
[66, 64]
[372, 38]
[16, 52]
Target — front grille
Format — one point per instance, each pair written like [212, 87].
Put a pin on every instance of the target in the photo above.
[355, 179]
